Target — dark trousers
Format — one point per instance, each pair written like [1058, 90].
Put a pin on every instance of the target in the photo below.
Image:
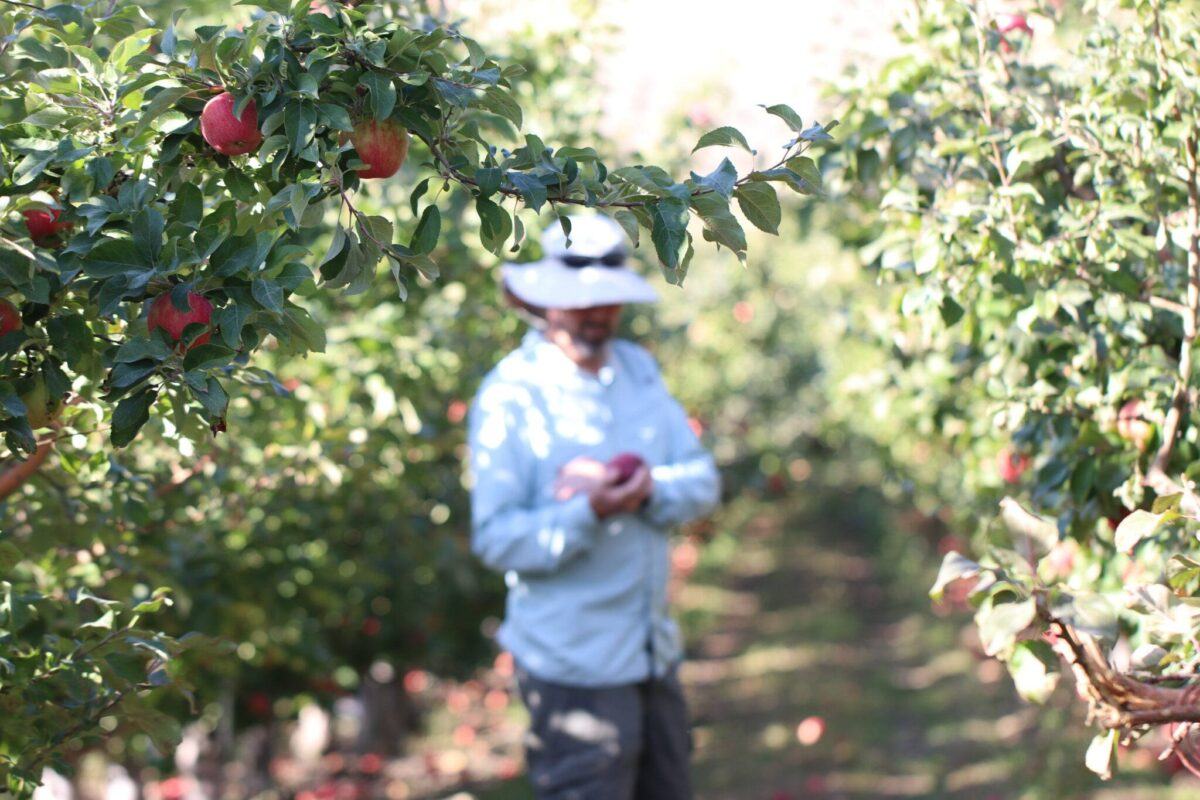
[614, 743]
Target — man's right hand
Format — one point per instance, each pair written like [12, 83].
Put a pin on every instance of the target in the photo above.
[624, 498]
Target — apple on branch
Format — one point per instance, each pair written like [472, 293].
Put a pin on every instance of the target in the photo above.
[1011, 465]
[43, 225]
[163, 314]
[1008, 23]
[381, 145]
[230, 135]
[10, 317]
[1132, 425]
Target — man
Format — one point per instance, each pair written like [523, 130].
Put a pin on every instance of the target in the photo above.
[586, 557]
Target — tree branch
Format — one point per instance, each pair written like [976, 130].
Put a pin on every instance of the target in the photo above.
[15, 476]
[1181, 402]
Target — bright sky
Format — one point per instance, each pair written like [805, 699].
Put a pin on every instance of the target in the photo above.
[705, 57]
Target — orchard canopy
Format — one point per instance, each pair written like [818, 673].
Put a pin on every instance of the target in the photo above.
[128, 196]
[162, 195]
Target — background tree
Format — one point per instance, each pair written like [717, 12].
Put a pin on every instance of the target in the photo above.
[1037, 209]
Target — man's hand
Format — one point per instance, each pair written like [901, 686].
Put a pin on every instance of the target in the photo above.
[580, 474]
[625, 498]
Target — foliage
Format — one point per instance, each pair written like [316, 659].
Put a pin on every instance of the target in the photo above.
[327, 527]
[1038, 211]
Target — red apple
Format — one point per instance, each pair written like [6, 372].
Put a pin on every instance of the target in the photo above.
[1011, 464]
[259, 704]
[164, 314]
[43, 224]
[230, 135]
[10, 317]
[1132, 425]
[1013, 22]
[382, 146]
[625, 464]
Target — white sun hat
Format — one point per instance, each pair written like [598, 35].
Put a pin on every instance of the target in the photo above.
[589, 272]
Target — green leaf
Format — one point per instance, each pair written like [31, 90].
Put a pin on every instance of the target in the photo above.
[114, 257]
[719, 223]
[723, 137]
[629, 223]
[147, 233]
[721, 180]
[207, 356]
[787, 176]
[1101, 752]
[188, 206]
[425, 237]
[130, 415]
[381, 94]
[532, 190]
[142, 348]
[420, 190]
[644, 179]
[495, 225]
[786, 114]
[955, 566]
[760, 205]
[1138, 526]
[1033, 669]
[999, 624]
[164, 99]
[499, 101]
[267, 293]
[489, 180]
[669, 217]
[230, 320]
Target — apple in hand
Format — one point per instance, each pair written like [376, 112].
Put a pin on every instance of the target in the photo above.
[624, 466]
[163, 314]
[10, 317]
[230, 135]
[382, 146]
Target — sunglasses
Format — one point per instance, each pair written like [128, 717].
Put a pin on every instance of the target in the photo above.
[613, 258]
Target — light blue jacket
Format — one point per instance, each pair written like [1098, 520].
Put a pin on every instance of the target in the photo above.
[586, 598]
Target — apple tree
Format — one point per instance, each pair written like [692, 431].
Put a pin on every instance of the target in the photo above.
[1036, 203]
[163, 194]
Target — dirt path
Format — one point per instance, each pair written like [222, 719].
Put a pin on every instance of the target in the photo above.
[824, 673]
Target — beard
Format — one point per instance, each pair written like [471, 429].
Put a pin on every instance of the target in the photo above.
[589, 346]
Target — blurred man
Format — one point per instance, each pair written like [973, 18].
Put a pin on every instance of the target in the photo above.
[583, 542]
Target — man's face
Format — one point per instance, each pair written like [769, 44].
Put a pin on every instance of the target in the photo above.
[589, 328]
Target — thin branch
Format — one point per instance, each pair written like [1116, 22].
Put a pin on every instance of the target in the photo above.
[18, 474]
[1181, 402]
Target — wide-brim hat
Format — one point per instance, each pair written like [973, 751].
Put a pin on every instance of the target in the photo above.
[589, 270]
[549, 283]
